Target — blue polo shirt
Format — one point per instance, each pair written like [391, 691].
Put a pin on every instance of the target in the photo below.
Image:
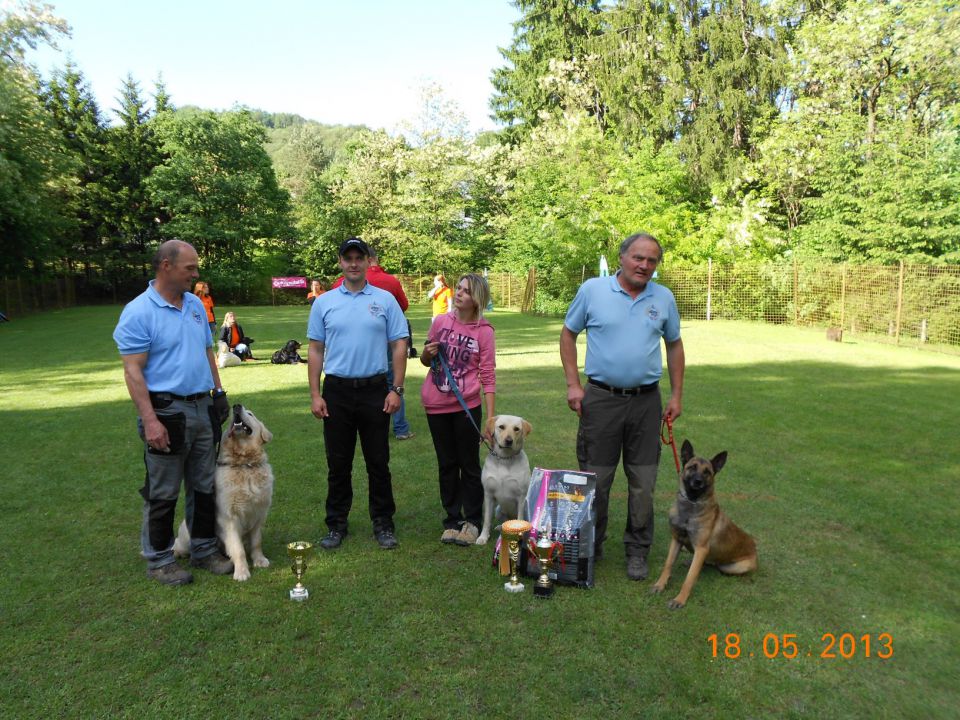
[355, 329]
[623, 334]
[175, 340]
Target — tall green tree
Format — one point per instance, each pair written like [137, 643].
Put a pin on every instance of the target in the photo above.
[31, 161]
[699, 73]
[547, 30]
[134, 152]
[85, 196]
[865, 163]
[217, 185]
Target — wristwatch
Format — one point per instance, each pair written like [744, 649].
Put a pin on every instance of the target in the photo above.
[218, 392]
[398, 389]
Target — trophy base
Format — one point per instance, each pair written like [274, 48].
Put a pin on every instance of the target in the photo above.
[511, 588]
[299, 594]
[542, 592]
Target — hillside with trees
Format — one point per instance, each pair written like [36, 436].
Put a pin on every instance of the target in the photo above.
[732, 129]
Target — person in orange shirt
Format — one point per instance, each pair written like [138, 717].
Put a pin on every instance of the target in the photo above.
[441, 295]
[202, 291]
[316, 290]
[232, 334]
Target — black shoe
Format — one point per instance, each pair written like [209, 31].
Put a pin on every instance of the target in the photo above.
[386, 538]
[636, 567]
[334, 539]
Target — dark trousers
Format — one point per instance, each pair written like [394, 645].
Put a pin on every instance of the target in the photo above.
[610, 424]
[458, 457]
[353, 412]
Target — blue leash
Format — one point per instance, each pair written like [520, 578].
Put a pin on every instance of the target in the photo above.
[442, 357]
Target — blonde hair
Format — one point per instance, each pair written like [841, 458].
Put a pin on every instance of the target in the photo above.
[441, 278]
[227, 317]
[479, 290]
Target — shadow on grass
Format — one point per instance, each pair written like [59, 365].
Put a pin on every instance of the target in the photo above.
[845, 475]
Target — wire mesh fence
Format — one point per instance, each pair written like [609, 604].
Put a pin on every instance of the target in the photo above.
[913, 305]
[916, 305]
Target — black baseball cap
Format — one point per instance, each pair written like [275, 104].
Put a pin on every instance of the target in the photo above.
[354, 243]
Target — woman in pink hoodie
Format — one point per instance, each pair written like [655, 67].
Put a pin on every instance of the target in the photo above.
[468, 345]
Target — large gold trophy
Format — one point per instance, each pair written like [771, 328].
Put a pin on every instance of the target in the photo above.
[512, 533]
[298, 552]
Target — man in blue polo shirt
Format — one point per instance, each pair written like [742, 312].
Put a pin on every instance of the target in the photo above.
[170, 371]
[625, 317]
[351, 330]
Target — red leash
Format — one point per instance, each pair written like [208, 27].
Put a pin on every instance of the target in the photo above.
[670, 441]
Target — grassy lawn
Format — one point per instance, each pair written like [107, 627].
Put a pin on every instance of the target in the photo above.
[843, 463]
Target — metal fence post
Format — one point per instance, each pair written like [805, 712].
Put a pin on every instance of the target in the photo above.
[899, 304]
[709, 286]
[796, 293]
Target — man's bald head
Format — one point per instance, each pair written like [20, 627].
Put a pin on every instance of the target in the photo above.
[170, 251]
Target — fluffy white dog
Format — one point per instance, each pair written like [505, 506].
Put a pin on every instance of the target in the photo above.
[244, 481]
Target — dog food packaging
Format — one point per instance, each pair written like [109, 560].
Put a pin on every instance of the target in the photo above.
[560, 507]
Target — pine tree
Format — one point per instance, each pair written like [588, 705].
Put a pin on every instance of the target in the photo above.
[548, 30]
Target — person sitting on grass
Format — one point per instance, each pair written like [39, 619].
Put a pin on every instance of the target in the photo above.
[232, 334]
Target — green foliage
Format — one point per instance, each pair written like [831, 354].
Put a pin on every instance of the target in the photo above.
[576, 195]
[700, 74]
[30, 161]
[547, 29]
[217, 184]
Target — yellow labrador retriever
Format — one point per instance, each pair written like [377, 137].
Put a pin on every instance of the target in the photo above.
[244, 481]
[506, 471]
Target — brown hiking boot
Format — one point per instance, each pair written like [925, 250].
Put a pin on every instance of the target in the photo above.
[171, 574]
[216, 563]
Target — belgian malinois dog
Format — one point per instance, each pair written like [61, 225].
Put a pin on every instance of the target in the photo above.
[698, 524]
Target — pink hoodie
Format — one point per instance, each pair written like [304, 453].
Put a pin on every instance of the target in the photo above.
[471, 354]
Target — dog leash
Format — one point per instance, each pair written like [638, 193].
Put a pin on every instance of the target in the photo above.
[442, 358]
[668, 423]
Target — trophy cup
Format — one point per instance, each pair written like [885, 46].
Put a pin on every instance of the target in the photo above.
[513, 531]
[544, 551]
[298, 552]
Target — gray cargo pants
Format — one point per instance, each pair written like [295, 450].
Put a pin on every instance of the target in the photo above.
[608, 424]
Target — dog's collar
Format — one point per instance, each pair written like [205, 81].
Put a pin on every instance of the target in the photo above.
[501, 457]
[246, 465]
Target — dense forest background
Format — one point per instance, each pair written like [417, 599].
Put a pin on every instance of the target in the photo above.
[731, 129]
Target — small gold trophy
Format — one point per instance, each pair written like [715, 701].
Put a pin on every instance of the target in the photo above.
[544, 549]
[298, 552]
[512, 533]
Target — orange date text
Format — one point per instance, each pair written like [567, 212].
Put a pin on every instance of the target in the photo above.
[832, 646]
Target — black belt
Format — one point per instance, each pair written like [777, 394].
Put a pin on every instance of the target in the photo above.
[167, 396]
[358, 382]
[624, 391]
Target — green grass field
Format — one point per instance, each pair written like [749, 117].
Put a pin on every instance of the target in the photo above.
[843, 463]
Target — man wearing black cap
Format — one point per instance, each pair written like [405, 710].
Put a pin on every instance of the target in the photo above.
[351, 330]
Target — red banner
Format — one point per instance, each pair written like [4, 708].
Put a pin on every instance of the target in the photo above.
[289, 282]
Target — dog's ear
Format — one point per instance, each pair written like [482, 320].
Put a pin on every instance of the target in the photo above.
[491, 424]
[686, 452]
[718, 461]
[527, 428]
[265, 434]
